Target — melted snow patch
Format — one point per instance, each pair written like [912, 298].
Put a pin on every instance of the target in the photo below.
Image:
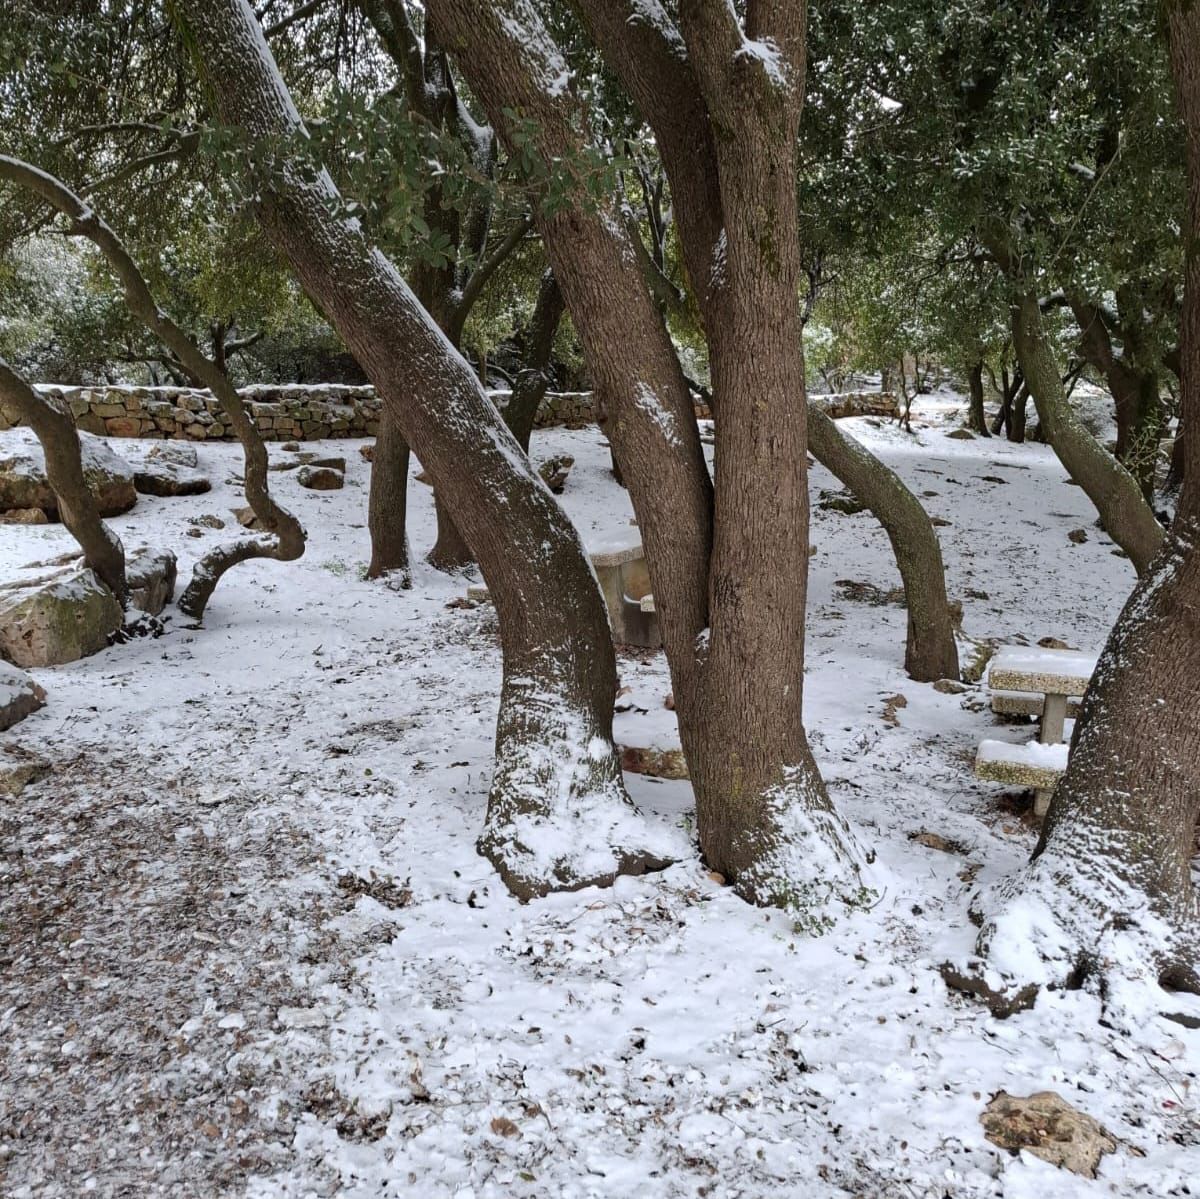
[647, 400]
[525, 28]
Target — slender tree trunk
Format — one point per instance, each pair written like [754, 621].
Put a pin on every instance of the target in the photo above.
[931, 652]
[1108, 897]
[285, 535]
[54, 428]
[558, 815]
[1126, 516]
[977, 417]
[387, 504]
[529, 387]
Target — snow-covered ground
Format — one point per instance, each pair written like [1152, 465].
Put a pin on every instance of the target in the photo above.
[249, 948]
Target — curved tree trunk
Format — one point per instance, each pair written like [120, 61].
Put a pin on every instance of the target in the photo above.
[54, 428]
[529, 387]
[286, 538]
[1126, 516]
[1108, 897]
[931, 652]
[558, 815]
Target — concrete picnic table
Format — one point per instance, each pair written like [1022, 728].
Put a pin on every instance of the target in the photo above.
[1057, 674]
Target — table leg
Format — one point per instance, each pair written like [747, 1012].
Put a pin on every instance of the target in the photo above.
[1054, 715]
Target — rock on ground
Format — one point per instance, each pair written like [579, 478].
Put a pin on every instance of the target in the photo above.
[168, 479]
[320, 478]
[151, 578]
[20, 696]
[23, 481]
[57, 619]
[178, 453]
[1050, 1128]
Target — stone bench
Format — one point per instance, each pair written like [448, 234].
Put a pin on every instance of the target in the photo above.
[1032, 681]
[624, 578]
[1033, 765]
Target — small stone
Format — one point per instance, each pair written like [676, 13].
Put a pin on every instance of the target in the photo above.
[208, 521]
[891, 705]
[554, 472]
[320, 478]
[1047, 1126]
[654, 761]
[246, 518]
[19, 768]
[938, 522]
[950, 687]
[24, 516]
[367, 452]
[291, 447]
[178, 453]
[20, 696]
[961, 435]
[1077, 536]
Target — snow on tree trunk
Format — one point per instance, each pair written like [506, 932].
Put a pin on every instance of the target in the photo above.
[1108, 900]
[54, 428]
[558, 816]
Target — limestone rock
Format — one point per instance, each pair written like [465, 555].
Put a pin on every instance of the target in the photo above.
[151, 578]
[656, 761]
[24, 516]
[58, 619]
[320, 478]
[1050, 1128]
[19, 768]
[20, 696]
[169, 478]
[554, 472]
[23, 475]
[961, 435]
[245, 517]
[367, 452]
[334, 463]
[178, 453]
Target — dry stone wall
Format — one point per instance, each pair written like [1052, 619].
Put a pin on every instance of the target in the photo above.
[282, 413]
[293, 412]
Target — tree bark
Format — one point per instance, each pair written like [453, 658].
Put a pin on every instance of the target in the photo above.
[651, 60]
[529, 387]
[1126, 516]
[1108, 900]
[977, 417]
[931, 652]
[286, 537]
[52, 424]
[733, 616]
[387, 503]
[558, 815]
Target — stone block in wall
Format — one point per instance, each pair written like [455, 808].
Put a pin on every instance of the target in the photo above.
[90, 423]
[122, 426]
[196, 431]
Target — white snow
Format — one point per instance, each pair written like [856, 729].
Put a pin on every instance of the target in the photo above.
[1029, 753]
[265, 831]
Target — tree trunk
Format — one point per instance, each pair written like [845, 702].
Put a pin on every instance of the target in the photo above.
[529, 388]
[1018, 415]
[54, 428]
[285, 535]
[733, 622]
[977, 417]
[1126, 516]
[558, 815]
[387, 504]
[1108, 900]
[931, 652]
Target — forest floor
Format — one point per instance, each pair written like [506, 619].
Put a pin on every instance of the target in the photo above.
[248, 947]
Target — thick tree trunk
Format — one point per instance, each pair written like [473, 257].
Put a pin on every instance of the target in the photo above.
[1126, 516]
[976, 416]
[1108, 900]
[733, 622]
[558, 815]
[54, 428]
[931, 652]
[387, 503]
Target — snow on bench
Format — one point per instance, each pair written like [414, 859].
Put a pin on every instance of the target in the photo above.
[1041, 671]
[1033, 764]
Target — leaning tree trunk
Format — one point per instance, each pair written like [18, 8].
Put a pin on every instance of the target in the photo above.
[558, 815]
[285, 538]
[54, 428]
[1108, 898]
[1126, 516]
[931, 652]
